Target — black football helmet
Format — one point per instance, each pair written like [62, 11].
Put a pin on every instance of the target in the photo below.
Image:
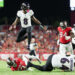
[25, 6]
[9, 62]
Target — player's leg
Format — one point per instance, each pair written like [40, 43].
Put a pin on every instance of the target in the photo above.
[25, 59]
[21, 35]
[62, 49]
[46, 67]
[29, 36]
[33, 53]
[73, 45]
[70, 48]
[41, 68]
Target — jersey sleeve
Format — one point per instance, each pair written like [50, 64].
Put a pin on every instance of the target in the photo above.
[70, 28]
[18, 14]
[31, 13]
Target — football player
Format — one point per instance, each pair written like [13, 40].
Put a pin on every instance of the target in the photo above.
[32, 52]
[63, 62]
[33, 47]
[25, 15]
[18, 64]
[65, 35]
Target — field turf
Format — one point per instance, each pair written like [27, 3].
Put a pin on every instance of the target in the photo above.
[4, 70]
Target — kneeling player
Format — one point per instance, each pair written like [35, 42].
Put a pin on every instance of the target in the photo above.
[65, 63]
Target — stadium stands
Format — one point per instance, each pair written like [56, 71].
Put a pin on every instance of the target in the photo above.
[46, 40]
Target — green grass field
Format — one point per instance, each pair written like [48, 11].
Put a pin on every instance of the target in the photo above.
[4, 70]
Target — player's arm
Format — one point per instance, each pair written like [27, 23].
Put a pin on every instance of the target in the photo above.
[72, 34]
[38, 22]
[68, 37]
[14, 24]
[16, 21]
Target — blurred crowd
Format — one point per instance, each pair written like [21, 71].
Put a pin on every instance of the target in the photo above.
[46, 40]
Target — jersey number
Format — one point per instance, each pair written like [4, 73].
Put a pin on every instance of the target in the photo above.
[25, 21]
[64, 60]
[61, 34]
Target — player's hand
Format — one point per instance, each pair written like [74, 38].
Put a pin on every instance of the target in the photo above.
[12, 27]
[45, 28]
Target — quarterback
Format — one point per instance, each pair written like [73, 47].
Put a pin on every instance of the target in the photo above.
[25, 15]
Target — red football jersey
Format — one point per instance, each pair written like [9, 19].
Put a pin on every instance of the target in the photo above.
[19, 63]
[63, 33]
